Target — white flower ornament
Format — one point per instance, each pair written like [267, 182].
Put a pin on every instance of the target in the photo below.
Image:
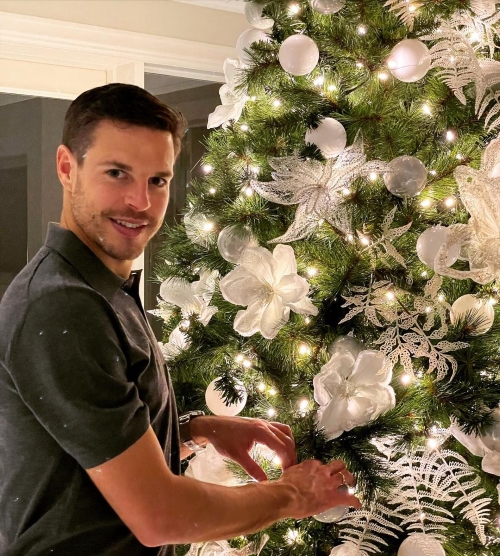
[233, 99]
[351, 390]
[178, 341]
[192, 298]
[268, 284]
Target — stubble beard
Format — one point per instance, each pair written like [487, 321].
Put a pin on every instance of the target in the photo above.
[96, 228]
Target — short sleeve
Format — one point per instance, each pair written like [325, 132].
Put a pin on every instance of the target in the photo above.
[69, 367]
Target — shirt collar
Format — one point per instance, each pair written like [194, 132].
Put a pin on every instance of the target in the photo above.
[90, 267]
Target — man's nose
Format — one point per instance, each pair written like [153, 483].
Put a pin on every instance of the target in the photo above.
[137, 195]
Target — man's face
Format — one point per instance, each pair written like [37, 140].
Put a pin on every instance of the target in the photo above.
[120, 193]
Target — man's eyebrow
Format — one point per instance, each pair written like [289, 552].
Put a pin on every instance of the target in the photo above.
[127, 168]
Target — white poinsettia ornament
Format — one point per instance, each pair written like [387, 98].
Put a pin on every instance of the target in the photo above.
[233, 99]
[352, 389]
[192, 298]
[178, 341]
[486, 446]
[269, 286]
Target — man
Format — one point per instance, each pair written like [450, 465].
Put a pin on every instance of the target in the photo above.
[90, 447]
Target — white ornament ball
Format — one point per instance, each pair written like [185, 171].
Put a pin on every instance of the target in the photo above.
[332, 515]
[245, 41]
[409, 60]
[253, 13]
[421, 545]
[330, 137]
[346, 344]
[407, 176]
[326, 7]
[210, 467]
[298, 55]
[233, 240]
[483, 311]
[215, 401]
[345, 549]
[430, 242]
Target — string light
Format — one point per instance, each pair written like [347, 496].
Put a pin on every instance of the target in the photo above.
[276, 103]
[424, 274]
[432, 443]
[364, 240]
[383, 76]
[207, 168]
[307, 320]
[350, 238]
[261, 387]
[304, 349]
[247, 363]
[432, 172]
[475, 37]
[390, 296]
[239, 358]
[426, 109]
[492, 301]
[292, 536]
[212, 190]
[422, 516]
[312, 271]
[253, 98]
[412, 8]
[332, 88]
[272, 392]
[208, 226]
[359, 65]
[426, 203]
[405, 379]
[373, 176]
[346, 192]
[441, 297]
[459, 156]
[428, 310]
[271, 412]
[254, 169]
[293, 9]
[248, 191]
[303, 404]
[244, 127]
[362, 30]
[276, 461]
[450, 135]
[319, 81]
[450, 202]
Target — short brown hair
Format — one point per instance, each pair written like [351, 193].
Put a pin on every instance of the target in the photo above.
[119, 102]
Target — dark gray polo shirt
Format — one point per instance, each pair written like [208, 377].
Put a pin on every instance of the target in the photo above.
[81, 379]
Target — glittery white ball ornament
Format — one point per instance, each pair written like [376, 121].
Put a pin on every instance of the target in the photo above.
[330, 137]
[253, 13]
[210, 467]
[482, 311]
[245, 41]
[347, 548]
[215, 401]
[407, 176]
[421, 545]
[326, 7]
[298, 55]
[430, 242]
[233, 240]
[332, 515]
[346, 344]
[409, 60]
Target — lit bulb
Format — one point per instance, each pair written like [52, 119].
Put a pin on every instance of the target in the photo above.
[303, 405]
[292, 536]
[383, 76]
[450, 135]
[253, 98]
[254, 169]
[441, 297]
[248, 191]
[364, 240]
[276, 461]
[350, 237]
[474, 37]
[261, 387]
[271, 412]
[272, 392]
[247, 363]
[426, 203]
[208, 226]
[492, 301]
[351, 490]
[426, 109]
[432, 443]
[373, 176]
[276, 103]
[244, 127]
[405, 379]
[428, 309]
[424, 274]
[391, 64]
[433, 172]
[359, 65]
[293, 9]
[362, 30]
[332, 88]
[450, 202]
[207, 168]
[412, 8]
[321, 222]
[304, 349]
[346, 191]
[422, 516]
[239, 358]
[307, 320]
[319, 81]
[312, 271]
[390, 296]
[459, 156]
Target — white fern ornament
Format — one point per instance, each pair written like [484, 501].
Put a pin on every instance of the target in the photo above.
[406, 11]
[352, 390]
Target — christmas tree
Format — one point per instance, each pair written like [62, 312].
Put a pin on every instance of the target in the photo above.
[337, 268]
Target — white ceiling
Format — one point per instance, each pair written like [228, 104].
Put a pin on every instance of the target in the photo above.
[227, 5]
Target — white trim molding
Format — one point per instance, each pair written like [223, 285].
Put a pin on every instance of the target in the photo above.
[48, 41]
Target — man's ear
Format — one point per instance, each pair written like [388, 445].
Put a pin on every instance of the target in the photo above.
[66, 167]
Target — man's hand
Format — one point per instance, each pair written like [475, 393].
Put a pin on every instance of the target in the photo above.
[234, 437]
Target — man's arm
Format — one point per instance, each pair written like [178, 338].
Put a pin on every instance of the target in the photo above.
[162, 508]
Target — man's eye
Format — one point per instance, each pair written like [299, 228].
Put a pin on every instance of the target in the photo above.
[115, 173]
[159, 182]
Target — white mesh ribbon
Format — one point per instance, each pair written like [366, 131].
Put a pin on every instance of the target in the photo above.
[316, 187]
[479, 238]
[268, 284]
[351, 391]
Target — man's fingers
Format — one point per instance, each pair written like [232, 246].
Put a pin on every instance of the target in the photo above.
[278, 441]
[335, 466]
[344, 477]
[251, 467]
